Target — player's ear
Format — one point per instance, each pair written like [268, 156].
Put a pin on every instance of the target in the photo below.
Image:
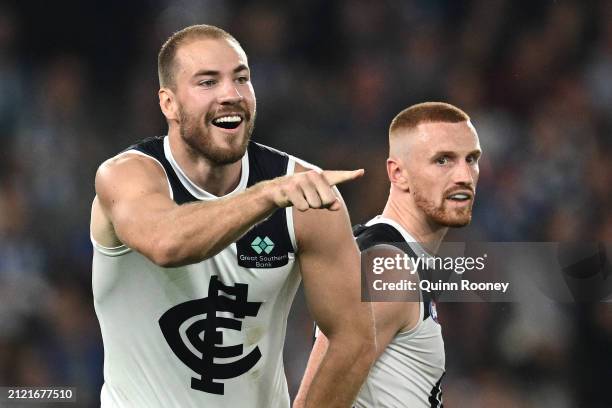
[396, 173]
[167, 103]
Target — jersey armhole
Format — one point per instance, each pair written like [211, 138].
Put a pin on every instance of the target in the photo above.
[109, 251]
[289, 210]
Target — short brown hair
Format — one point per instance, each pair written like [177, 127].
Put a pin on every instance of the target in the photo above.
[427, 112]
[167, 53]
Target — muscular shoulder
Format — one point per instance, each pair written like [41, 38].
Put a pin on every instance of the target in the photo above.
[129, 162]
[131, 171]
[126, 177]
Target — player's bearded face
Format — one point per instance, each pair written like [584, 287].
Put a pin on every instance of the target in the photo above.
[443, 172]
[440, 210]
[199, 133]
[215, 99]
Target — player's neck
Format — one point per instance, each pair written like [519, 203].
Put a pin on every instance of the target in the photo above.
[213, 178]
[415, 223]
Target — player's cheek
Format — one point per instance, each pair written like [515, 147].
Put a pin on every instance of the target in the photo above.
[476, 174]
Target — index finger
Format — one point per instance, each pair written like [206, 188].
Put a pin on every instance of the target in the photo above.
[334, 177]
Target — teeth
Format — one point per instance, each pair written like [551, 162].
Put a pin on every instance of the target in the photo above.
[225, 119]
[460, 196]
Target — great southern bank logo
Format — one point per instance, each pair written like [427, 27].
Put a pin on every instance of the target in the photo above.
[267, 253]
[262, 245]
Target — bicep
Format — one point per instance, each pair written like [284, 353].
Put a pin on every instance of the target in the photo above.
[392, 318]
[329, 261]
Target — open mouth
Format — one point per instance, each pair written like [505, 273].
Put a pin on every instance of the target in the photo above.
[459, 197]
[227, 121]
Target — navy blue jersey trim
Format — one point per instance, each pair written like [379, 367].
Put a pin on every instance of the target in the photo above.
[154, 147]
[381, 233]
[265, 163]
[435, 397]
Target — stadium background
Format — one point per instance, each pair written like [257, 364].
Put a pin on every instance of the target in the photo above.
[78, 83]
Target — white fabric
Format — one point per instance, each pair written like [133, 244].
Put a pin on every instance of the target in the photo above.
[413, 362]
[140, 369]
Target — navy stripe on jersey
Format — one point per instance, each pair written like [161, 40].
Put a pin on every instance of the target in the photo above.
[265, 163]
[381, 233]
[154, 147]
[435, 397]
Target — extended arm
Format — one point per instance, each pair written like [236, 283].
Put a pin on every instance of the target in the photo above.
[132, 192]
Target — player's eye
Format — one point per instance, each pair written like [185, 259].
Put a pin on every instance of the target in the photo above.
[442, 160]
[207, 83]
[242, 80]
[472, 159]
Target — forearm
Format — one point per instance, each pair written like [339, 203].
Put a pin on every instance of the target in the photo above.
[330, 265]
[314, 361]
[193, 232]
[342, 371]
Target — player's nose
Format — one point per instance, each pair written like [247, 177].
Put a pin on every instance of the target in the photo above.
[229, 94]
[463, 174]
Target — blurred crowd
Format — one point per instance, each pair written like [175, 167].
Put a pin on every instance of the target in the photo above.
[79, 84]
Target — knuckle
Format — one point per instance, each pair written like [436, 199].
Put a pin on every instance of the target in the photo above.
[292, 184]
[300, 180]
[295, 189]
[327, 200]
[312, 174]
[315, 202]
[317, 175]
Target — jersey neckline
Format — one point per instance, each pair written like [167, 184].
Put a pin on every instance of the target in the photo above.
[196, 190]
[416, 246]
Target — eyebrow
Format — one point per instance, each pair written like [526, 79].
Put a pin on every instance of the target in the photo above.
[210, 72]
[451, 153]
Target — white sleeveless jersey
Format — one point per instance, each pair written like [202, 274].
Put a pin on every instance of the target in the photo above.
[409, 372]
[209, 334]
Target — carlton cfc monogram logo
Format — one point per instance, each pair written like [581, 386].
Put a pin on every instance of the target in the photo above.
[205, 365]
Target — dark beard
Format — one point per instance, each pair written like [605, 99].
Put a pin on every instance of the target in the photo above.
[441, 215]
[196, 137]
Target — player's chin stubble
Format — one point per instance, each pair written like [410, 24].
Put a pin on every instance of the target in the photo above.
[442, 215]
[198, 138]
